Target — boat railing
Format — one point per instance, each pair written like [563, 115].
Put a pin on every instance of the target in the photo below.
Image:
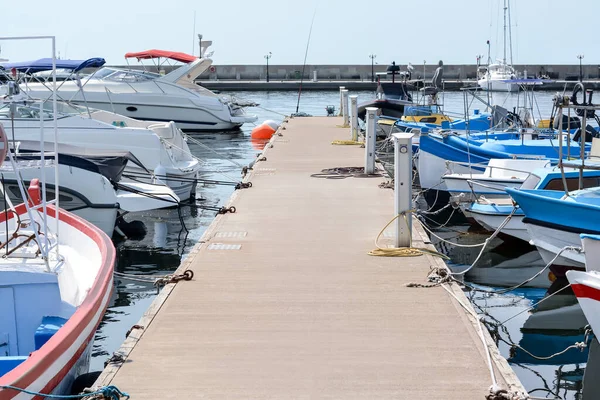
[109, 99]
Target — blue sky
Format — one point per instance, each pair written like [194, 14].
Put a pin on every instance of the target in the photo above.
[344, 32]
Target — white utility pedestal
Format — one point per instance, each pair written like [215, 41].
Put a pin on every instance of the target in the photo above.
[354, 117]
[403, 187]
[341, 100]
[370, 140]
[345, 113]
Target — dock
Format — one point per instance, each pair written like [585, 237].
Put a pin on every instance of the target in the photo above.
[286, 303]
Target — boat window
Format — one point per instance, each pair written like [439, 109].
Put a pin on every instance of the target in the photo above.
[572, 183]
[103, 73]
[131, 76]
[531, 182]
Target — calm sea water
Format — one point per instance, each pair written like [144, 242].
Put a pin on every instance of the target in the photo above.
[172, 234]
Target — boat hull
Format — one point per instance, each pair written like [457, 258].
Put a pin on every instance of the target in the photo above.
[186, 118]
[53, 366]
[492, 216]
[461, 188]
[493, 85]
[586, 286]
[549, 241]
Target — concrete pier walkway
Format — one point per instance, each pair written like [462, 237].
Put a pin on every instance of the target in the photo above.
[286, 304]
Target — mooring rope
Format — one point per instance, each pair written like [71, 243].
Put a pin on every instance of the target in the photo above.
[106, 392]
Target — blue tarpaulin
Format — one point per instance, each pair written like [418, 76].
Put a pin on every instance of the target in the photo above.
[45, 64]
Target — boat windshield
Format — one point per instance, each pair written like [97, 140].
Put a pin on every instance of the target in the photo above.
[122, 75]
[32, 110]
[531, 182]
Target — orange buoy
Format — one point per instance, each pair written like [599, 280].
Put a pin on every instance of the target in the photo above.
[264, 130]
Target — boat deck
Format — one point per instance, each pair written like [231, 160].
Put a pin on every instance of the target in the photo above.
[286, 303]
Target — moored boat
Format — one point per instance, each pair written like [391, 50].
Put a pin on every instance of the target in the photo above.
[161, 147]
[144, 95]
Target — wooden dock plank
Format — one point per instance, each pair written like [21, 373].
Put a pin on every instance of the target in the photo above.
[300, 310]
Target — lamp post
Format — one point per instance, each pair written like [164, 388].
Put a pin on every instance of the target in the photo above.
[372, 57]
[580, 56]
[267, 58]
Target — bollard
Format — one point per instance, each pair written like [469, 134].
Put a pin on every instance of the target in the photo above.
[341, 100]
[345, 108]
[403, 188]
[354, 117]
[314, 76]
[370, 140]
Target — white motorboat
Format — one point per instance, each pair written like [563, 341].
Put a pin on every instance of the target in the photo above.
[160, 147]
[144, 95]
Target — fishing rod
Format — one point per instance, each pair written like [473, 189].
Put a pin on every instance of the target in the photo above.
[305, 56]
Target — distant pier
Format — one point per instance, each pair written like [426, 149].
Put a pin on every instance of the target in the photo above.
[356, 85]
[286, 303]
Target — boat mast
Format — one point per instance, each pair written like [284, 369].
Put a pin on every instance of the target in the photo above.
[505, 8]
[510, 34]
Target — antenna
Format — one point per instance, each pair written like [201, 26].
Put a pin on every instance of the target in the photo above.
[194, 34]
[305, 55]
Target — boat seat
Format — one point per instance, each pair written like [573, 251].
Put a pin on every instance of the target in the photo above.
[595, 150]
[47, 329]
[429, 90]
[8, 363]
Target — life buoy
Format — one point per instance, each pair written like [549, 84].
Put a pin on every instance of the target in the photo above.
[213, 68]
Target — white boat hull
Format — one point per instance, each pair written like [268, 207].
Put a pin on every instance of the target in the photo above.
[514, 227]
[187, 118]
[497, 86]
[586, 286]
[550, 241]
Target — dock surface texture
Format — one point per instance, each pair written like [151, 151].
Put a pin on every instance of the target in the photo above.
[286, 304]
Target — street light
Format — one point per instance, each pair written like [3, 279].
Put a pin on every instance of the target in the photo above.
[580, 56]
[372, 57]
[267, 58]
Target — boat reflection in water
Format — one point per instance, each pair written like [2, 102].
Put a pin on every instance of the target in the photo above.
[527, 323]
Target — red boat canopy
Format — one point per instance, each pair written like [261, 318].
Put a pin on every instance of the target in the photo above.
[173, 55]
